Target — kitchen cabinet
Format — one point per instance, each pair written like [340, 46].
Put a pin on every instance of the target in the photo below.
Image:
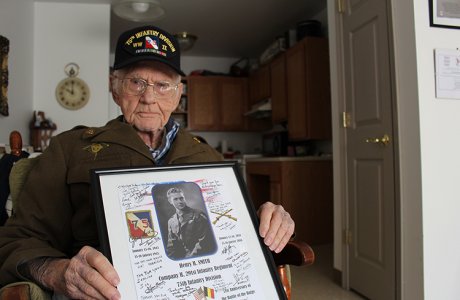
[217, 103]
[203, 103]
[303, 186]
[233, 103]
[259, 84]
[278, 89]
[308, 90]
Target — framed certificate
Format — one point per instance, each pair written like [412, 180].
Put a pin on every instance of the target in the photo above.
[183, 232]
[445, 13]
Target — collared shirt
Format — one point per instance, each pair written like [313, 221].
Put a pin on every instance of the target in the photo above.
[171, 129]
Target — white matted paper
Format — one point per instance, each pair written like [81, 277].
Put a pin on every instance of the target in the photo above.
[447, 64]
[139, 232]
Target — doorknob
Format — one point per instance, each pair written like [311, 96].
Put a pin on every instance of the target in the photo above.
[384, 140]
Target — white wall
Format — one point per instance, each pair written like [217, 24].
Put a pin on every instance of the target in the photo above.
[16, 23]
[440, 148]
[64, 33]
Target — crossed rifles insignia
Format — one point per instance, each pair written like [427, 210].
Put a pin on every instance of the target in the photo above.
[224, 214]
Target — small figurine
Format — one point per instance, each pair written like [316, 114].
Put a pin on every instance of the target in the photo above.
[38, 118]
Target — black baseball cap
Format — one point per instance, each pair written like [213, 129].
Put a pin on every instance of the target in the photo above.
[147, 43]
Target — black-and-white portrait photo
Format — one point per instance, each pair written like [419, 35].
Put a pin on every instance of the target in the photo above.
[184, 222]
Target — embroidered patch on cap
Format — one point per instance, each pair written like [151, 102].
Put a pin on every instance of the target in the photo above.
[150, 42]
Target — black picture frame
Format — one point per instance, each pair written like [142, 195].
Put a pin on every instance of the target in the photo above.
[443, 14]
[131, 212]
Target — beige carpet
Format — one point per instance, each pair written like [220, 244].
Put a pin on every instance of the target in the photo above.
[316, 282]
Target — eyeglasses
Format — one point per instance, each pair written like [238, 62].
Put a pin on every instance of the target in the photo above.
[138, 86]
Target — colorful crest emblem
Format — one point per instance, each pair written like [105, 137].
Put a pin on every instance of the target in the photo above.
[140, 224]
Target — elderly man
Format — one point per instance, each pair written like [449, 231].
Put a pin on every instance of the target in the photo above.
[52, 237]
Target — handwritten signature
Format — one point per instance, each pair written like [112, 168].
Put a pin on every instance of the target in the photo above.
[240, 278]
[150, 288]
[228, 249]
[144, 241]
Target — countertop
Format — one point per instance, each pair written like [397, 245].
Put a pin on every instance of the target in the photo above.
[289, 158]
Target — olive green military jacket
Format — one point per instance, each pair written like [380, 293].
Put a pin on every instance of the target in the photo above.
[54, 214]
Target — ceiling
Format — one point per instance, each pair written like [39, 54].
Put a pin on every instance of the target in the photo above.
[225, 28]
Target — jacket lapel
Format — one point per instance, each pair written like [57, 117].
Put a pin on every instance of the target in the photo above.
[182, 147]
[118, 132]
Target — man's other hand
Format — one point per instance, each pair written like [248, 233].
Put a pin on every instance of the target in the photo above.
[276, 226]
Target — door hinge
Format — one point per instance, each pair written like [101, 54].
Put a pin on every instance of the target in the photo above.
[346, 119]
[341, 6]
[347, 237]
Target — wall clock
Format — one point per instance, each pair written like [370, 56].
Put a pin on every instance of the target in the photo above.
[72, 92]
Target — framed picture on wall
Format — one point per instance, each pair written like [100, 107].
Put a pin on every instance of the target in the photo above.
[445, 13]
[183, 232]
[4, 49]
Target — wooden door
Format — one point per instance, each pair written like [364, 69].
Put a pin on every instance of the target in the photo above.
[233, 99]
[370, 164]
[203, 103]
[278, 89]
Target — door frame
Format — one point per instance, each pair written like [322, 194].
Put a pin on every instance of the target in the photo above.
[408, 185]
[341, 208]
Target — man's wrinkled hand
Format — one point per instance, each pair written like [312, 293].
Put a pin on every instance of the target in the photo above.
[88, 275]
[276, 226]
